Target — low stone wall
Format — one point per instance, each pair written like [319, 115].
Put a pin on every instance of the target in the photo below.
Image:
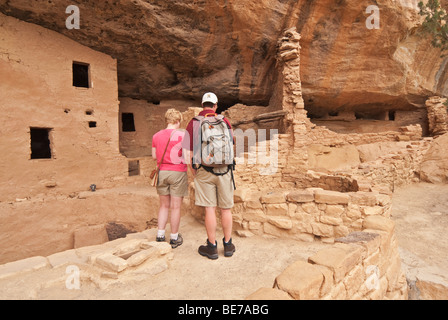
[395, 169]
[306, 214]
[324, 136]
[50, 224]
[363, 265]
[122, 259]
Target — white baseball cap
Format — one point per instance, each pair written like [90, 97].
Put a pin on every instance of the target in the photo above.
[210, 97]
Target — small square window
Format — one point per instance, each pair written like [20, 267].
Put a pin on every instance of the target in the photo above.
[81, 75]
[127, 120]
[92, 124]
[40, 143]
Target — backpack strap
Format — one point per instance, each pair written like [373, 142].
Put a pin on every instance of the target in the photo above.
[210, 169]
[230, 168]
[166, 147]
[217, 116]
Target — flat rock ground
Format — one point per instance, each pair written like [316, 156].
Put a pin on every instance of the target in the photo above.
[420, 212]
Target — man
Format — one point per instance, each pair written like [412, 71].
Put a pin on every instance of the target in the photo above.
[214, 186]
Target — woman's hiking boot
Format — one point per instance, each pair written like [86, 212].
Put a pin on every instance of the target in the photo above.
[209, 250]
[177, 242]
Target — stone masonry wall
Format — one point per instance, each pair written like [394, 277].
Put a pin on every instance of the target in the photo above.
[437, 116]
[124, 259]
[306, 214]
[81, 122]
[363, 265]
[274, 164]
[394, 169]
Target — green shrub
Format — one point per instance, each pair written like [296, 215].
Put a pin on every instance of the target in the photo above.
[435, 23]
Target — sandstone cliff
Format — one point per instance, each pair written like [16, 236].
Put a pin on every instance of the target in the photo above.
[179, 49]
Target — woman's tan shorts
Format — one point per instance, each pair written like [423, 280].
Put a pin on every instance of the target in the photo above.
[172, 183]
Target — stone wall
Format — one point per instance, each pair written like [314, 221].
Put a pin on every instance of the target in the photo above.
[148, 119]
[48, 224]
[306, 214]
[396, 168]
[340, 167]
[124, 259]
[363, 265]
[38, 93]
[437, 115]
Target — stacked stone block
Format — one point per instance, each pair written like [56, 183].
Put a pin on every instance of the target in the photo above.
[362, 265]
[306, 214]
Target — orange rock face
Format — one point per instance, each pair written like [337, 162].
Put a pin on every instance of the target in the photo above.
[179, 49]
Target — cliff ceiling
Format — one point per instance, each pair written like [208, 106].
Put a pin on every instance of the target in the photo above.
[171, 49]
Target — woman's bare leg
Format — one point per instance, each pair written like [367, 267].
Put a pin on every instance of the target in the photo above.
[175, 205]
[163, 211]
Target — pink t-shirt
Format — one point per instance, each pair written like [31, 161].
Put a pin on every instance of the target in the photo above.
[173, 160]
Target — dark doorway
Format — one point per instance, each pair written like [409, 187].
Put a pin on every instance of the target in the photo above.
[40, 143]
[127, 120]
[81, 75]
[392, 115]
[134, 168]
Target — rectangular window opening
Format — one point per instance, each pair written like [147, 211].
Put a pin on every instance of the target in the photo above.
[92, 124]
[134, 168]
[392, 115]
[81, 75]
[127, 120]
[40, 143]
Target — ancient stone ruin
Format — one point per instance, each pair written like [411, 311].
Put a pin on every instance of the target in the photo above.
[77, 159]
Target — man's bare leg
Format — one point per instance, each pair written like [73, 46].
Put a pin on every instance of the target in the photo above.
[227, 222]
[210, 223]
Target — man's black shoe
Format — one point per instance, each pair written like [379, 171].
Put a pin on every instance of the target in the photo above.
[229, 248]
[209, 250]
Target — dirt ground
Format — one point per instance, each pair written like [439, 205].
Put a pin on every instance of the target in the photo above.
[420, 212]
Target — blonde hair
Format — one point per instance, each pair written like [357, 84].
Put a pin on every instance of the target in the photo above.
[172, 116]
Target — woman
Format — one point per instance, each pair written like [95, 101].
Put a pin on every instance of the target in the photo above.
[172, 185]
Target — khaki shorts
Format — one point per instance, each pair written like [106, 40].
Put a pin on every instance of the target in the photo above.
[212, 190]
[174, 183]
